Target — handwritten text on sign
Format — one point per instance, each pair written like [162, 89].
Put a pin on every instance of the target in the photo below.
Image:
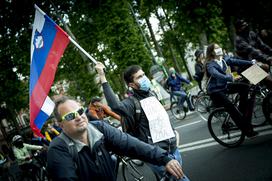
[158, 119]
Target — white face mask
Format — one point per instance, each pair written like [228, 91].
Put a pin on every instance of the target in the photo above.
[218, 52]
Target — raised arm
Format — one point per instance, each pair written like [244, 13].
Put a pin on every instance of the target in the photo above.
[124, 144]
[120, 107]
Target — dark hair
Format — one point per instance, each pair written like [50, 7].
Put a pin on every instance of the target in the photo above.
[129, 72]
[95, 99]
[59, 101]
[239, 23]
[210, 52]
[198, 52]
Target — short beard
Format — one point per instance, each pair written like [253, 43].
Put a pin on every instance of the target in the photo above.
[82, 129]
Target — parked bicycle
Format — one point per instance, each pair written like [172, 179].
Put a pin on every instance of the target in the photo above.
[224, 130]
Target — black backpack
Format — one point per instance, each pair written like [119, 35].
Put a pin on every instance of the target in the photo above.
[125, 124]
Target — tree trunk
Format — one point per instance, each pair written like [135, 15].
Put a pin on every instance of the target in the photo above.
[179, 49]
[175, 62]
[203, 39]
[157, 47]
[146, 41]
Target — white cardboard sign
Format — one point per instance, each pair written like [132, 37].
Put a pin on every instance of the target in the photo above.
[158, 119]
[254, 74]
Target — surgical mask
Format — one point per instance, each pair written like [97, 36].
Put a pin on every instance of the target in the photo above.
[144, 83]
[218, 52]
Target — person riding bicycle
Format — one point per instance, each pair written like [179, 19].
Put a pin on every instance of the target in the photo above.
[199, 67]
[101, 111]
[138, 111]
[220, 83]
[22, 154]
[92, 145]
[174, 82]
[250, 46]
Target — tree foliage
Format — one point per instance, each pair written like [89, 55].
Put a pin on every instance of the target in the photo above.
[108, 31]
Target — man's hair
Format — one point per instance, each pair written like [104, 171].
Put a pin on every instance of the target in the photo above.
[58, 102]
[129, 72]
[95, 99]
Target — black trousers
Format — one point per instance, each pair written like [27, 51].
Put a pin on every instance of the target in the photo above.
[242, 115]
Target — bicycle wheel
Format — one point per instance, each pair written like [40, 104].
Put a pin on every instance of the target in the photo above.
[258, 117]
[193, 99]
[267, 107]
[177, 111]
[137, 170]
[223, 129]
[203, 104]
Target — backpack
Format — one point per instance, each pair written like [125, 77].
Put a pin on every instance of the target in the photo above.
[126, 125]
[205, 80]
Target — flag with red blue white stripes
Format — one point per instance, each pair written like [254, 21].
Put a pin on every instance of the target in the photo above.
[48, 43]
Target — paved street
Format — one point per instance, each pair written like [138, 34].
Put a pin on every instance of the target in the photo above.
[204, 159]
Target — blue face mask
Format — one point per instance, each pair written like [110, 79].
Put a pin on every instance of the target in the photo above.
[144, 83]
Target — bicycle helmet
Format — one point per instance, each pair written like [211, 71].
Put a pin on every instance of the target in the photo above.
[16, 138]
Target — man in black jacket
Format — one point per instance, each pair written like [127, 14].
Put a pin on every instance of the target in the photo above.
[136, 121]
[92, 144]
[250, 46]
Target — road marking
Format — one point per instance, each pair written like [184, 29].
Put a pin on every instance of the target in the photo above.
[189, 124]
[202, 117]
[211, 142]
[196, 143]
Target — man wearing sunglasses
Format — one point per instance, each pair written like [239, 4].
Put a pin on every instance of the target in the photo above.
[93, 143]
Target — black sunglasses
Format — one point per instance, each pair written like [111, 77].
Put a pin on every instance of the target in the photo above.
[72, 115]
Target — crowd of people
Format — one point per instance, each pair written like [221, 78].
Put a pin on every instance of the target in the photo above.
[82, 144]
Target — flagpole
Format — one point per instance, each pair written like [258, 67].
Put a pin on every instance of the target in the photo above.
[82, 50]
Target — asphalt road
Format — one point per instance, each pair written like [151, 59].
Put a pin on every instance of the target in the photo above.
[206, 160]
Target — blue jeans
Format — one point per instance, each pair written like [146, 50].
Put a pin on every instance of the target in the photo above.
[182, 96]
[160, 170]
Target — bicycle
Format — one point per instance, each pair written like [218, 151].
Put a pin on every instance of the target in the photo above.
[40, 159]
[5, 174]
[194, 98]
[134, 169]
[267, 107]
[224, 130]
[180, 112]
[128, 169]
[203, 105]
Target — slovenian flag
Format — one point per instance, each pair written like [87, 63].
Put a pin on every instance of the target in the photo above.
[48, 43]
